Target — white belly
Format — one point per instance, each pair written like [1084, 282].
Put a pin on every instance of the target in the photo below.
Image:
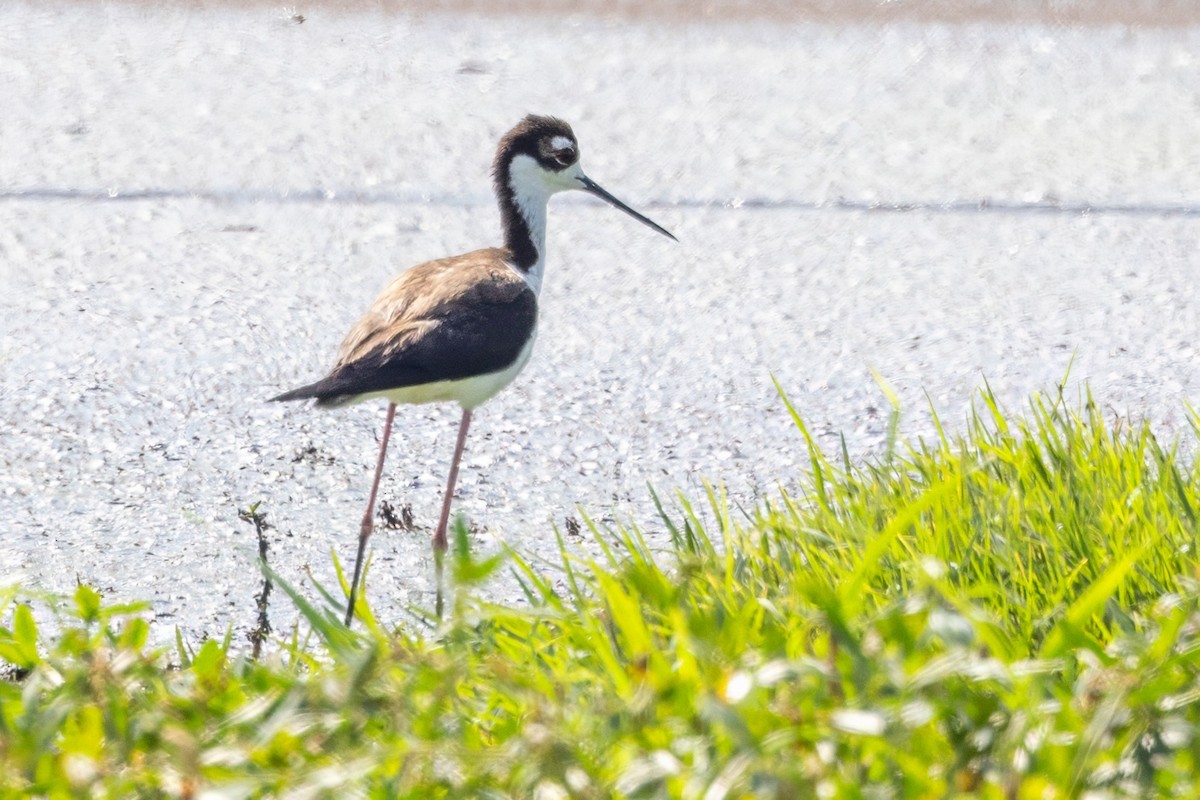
[467, 392]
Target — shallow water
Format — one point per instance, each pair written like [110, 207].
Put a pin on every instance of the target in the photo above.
[196, 204]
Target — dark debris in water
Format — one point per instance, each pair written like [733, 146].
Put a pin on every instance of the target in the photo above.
[14, 674]
[472, 68]
[312, 455]
[397, 519]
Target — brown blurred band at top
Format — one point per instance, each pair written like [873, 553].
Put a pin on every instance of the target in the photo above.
[1148, 13]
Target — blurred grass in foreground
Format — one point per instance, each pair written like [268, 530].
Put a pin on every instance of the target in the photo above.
[1010, 613]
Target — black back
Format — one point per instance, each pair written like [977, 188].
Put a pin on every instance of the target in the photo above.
[479, 334]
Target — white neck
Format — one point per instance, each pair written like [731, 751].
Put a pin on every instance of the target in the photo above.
[531, 194]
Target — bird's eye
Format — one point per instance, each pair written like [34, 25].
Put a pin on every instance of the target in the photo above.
[565, 156]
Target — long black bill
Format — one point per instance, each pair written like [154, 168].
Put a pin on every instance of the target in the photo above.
[592, 187]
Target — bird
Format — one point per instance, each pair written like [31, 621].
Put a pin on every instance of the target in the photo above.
[460, 329]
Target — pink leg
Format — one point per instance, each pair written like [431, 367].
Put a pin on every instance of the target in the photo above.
[439, 538]
[368, 520]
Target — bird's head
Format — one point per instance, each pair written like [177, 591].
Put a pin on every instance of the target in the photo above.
[540, 157]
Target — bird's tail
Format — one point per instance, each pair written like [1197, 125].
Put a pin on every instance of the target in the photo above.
[318, 391]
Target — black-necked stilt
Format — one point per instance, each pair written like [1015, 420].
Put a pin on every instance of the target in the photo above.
[461, 328]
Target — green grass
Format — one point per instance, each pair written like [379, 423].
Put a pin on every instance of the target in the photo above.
[1012, 612]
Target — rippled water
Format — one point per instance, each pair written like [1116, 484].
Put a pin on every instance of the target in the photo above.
[195, 205]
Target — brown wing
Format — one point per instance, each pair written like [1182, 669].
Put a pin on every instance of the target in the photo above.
[444, 320]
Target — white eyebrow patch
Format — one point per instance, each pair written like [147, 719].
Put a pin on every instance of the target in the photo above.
[562, 143]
